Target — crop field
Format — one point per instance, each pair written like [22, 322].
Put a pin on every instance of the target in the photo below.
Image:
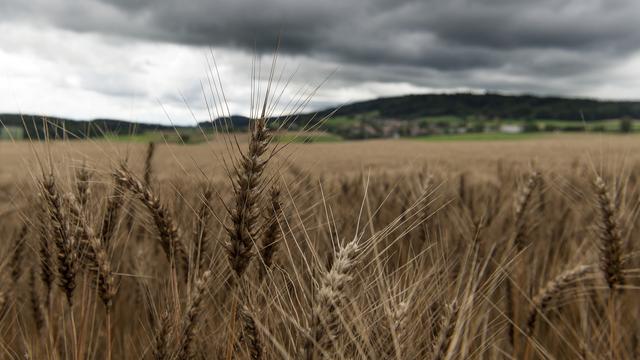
[259, 247]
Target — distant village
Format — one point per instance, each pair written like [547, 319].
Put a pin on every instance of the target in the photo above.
[355, 129]
[396, 128]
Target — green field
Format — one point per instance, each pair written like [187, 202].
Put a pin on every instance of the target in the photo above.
[478, 137]
[304, 138]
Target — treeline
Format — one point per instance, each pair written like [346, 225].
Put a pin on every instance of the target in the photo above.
[39, 127]
[384, 111]
[490, 106]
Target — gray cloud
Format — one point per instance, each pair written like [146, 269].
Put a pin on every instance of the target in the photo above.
[545, 46]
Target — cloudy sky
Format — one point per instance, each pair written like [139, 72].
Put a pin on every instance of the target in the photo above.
[147, 59]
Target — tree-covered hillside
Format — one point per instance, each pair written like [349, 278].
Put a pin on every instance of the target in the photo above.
[490, 106]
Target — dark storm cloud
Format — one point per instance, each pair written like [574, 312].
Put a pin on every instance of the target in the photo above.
[538, 39]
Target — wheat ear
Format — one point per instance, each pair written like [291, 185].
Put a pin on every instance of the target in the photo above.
[148, 162]
[243, 230]
[325, 323]
[522, 202]
[551, 290]
[167, 228]
[15, 264]
[162, 340]
[272, 234]
[34, 297]
[251, 333]
[45, 257]
[201, 235]
[610, 241]
[65, 243]
[194, 308]
[110, 217]
[441, 348]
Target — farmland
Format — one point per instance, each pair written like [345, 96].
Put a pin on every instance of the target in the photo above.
[510, 247]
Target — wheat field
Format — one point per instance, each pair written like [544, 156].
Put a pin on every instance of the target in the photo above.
[356, 250]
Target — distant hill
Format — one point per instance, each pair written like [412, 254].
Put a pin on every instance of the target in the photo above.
[238, 122]
[35, 125]
[525, 107]
[372, 116]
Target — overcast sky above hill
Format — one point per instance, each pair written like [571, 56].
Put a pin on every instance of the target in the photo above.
[144, 59]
